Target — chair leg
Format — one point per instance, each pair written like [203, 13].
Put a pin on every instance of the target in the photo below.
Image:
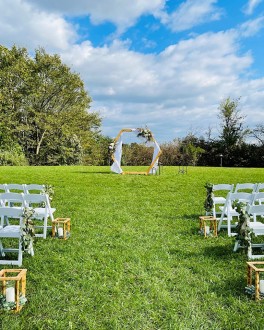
[2, 253]
[45, 223]
[214, 212]
[20, 254]
[221, 219]
[229, 226]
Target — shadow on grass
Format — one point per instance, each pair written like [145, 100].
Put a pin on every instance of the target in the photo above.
[230, 287]
[190, 217]
[220, 251]
[93, 172]
[184, 253]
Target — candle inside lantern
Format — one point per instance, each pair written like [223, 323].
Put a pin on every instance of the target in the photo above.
[10, 294]
[261, 286]
[60, 231]
[207, 230]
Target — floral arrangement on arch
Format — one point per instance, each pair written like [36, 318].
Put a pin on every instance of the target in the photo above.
[145, 133]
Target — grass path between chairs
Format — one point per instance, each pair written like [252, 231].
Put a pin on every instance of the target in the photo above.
[134, 259]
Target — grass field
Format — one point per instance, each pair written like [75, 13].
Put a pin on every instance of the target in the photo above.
[134, 259]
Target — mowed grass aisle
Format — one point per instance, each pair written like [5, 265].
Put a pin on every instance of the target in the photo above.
[134, 259]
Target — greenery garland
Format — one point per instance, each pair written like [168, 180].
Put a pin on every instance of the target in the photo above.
[244, 233]
[27, 231]
[209, 203]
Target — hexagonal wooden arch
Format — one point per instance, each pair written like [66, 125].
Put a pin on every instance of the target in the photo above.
[117, 153]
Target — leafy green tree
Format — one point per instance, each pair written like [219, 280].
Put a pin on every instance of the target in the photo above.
[233, 132]
[45, 105]
[137, 154]
[190, 150]
[170, 153]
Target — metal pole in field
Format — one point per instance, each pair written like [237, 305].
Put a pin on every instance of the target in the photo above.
[221, 160]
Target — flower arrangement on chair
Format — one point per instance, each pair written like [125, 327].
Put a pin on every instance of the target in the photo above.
[48, 189]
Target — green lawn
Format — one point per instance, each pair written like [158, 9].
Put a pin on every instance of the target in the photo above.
[134, 259]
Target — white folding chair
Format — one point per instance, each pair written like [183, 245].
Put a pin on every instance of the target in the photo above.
[10, 232]
[257, 228]
[221, 189]
[246, 187]
[34, 188]
[42, 211]
[228, 212]
[2, 188]
[258, 198]
[260, 187]
[255, 211]
[9, 199]
[14, 187]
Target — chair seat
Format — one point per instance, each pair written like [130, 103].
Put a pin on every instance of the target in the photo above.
[12, 231]
[41, 213]
[232, 212]
[219, 200]
[257, 227]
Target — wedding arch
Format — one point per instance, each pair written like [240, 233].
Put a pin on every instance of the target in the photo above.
[115, 149]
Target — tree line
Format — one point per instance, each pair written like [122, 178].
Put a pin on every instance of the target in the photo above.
[45, 119]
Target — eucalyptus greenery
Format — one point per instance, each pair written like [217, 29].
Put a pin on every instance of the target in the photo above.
[208, 203]
[244, 233]
[7, 306]
[250, 290]
[27, 231]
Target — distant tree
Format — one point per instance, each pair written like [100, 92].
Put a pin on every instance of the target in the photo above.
[45, 107]
[137, 154]
[170, 153]
[190, 150]
[232, 131]
[258, 134]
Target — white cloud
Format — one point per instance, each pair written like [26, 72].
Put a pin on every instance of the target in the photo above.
[252, 27]
[251, 6]
[172, 91]
[192, 13]
[22, 25]
[122, 13]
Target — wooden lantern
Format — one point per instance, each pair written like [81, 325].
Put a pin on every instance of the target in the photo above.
[15, 293]
[207, 224]
[254, 268]
[61, 228]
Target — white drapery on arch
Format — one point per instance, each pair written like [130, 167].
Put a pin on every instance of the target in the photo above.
[117, 154]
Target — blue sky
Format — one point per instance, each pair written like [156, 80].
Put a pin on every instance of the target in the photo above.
[164, 64]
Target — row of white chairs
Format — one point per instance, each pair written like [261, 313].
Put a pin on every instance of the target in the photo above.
[228, 188]
[38, 202]
[12, 206]
[251, 194]
[22, 188]
[255, 208]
